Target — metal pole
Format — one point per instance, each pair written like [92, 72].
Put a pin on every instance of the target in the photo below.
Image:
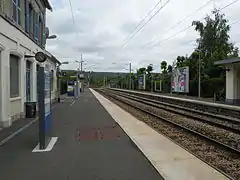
[199, 76]
[41, 101]
[130, 82]
[103, 81]
[58, 83]
[106, 81]
[171, 77]
[81, 63]
[81, 73]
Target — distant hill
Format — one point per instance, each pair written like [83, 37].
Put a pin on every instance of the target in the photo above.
[96, 74]
[100, 74]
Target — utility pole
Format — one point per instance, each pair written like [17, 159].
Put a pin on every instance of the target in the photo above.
[199, 76]
[130, 79]
[81, 63]
[80, 71]
[173, 64]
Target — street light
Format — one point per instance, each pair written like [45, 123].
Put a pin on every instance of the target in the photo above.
[173, 67]
[199, 73]
[58, 79]
[52, 36]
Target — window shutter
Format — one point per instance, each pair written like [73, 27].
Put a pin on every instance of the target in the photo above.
[27, 15]
[14, 10]
[34, 28]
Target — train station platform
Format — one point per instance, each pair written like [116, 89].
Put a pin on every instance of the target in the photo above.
[90, 146]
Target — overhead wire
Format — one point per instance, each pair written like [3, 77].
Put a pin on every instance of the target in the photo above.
[181, 21]
[144, 18]
[73, 19]
[186, 28]
[147, 21]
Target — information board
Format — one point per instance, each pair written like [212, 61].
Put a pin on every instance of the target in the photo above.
[141, 82]
[47, 99]
[70, 88]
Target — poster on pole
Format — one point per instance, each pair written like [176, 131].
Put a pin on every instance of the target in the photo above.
[47, 100]
[141, 82]
[180, 80]
[158, 86]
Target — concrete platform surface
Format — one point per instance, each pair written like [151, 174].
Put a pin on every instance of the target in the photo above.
[90, 146]
[170, 160]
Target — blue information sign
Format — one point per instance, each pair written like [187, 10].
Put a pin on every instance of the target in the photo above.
[140, 80]
[47, 100]
[70, 88]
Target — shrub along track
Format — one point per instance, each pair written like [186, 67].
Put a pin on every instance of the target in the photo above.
[214, 145]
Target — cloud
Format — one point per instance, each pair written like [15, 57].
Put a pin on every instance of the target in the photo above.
[101, 27]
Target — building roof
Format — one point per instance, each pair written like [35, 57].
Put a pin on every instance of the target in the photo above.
[52, 57]
[228, 61]
[47, 4]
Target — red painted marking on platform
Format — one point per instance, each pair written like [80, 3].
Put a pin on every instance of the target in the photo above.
[100, 133]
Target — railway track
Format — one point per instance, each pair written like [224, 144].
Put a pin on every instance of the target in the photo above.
[202, 107]
[221, 140]
[225, 122]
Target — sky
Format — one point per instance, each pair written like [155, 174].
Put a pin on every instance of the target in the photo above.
[98, 29]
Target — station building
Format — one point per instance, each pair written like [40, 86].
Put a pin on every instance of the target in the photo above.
[22, 35]
[232, 67]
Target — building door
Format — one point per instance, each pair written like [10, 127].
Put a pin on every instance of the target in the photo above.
[28, 81]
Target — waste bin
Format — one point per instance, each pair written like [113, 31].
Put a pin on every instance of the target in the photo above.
[30, 109]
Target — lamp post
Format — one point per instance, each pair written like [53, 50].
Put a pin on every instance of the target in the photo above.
[58, 79]
[80, 69]
[173, 67]
[199, 72]
[52, 37]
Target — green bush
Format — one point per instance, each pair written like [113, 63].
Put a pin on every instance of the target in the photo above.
[193, 88]
[211, 86]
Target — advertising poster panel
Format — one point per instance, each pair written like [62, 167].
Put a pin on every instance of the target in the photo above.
[180, 80]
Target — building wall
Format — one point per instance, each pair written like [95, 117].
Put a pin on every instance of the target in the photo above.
[14, 40]
[233, 83]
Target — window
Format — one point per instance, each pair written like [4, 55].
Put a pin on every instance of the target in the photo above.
[52, 73]
[14, 76]
[40, 31]
[16, 11]
[36, 26]
[28, 16]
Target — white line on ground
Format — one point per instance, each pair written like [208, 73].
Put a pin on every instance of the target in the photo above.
[72, 103]
[49, 146]
[19, 130]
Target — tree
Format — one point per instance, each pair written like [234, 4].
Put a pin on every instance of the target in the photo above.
[169, 69]
[180, 61]
[214, 38]
[235, 52]
[141, 70]
[149, 69]
[164, 66]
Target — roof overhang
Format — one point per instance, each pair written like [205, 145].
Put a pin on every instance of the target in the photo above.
[227, 61]
[52, 58]
[47, 4]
